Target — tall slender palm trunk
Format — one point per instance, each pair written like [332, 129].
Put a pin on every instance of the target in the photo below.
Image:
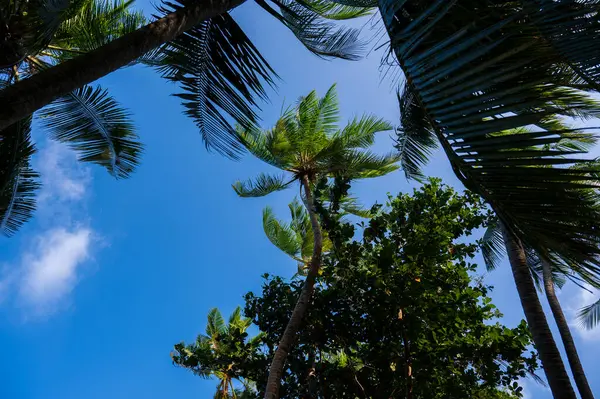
[27, 96]
[291, 330]
[565, 334]
[554, 368]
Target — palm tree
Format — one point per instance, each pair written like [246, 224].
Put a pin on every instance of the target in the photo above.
[474, 69]
[549, 274]
[209, 47]
[307, 145]
[42, 34]
[220, 352]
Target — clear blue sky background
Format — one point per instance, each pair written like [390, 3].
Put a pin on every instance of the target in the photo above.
[110, 274]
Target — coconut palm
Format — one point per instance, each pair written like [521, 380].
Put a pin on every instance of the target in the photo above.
[216, 64]
[40, 34]
[547, 274]
[475, 69]
[220, 353]
[306, 144]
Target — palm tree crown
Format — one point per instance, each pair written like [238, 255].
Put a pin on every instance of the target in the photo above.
[306, 142]
[220, 352]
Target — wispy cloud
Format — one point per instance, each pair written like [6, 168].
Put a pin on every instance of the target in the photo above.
[579, 299]
[50, 269]
[50, 265]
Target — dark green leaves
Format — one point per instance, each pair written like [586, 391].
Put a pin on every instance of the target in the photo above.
[93, 124]
[416, 138]
[222, 74]
[306, 20]
[18, 182]
[483, 78]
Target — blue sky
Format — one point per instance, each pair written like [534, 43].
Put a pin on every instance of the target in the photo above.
[110, 274]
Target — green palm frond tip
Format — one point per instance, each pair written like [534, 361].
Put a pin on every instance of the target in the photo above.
[91, 122]
[18, 182]
[589, 316]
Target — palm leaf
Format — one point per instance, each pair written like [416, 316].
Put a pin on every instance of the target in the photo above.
[263, 185]
[573, 29]
[320, 37]
[360, 132]
[281, 235]
[95, 24]
[475, 77]
[416, 139]
[95, 126]
[18, 182]
[222, 75]
[216, 324]
[589, 316]
[492, 245]
[336, 11]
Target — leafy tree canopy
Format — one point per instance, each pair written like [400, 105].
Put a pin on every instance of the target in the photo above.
[395, 313]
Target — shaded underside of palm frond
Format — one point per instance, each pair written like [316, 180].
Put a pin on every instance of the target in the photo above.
[222, 75]
[307, 20]
[93, 124]
[18, 182]
[572, 28]
[478, 70]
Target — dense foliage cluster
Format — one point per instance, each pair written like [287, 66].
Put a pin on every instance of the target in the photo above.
[395, 314]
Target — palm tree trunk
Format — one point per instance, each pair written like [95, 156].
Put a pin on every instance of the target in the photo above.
[554, 368]
[289, 335]
[27, 96]
[565, 334]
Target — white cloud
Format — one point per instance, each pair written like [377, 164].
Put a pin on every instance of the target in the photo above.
[50, 270]
[581, 298]
[64, 179]
[49, 267]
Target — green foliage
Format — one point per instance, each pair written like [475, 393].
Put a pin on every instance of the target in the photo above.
[219, 86]
[307, 142]
[484, 82]
[18, 182]
[393, 312]
[221, 352]
[43, 33]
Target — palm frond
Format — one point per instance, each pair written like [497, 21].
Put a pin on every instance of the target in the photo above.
[95, 24]
[416, 139]
[365, 164]
[475, 77]
[281, 235]
[573, 30]
[335, 11]
[322, 38]
[263, 185]
[93, 124]
[216, 324]
[360, 132]
[18, 182]
[222, 75]
[589, 316]
[492, 245]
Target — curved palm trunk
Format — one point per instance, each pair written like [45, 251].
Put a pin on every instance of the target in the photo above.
[554, 368]
[27, 96]
[565, 334]
[293, 326]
